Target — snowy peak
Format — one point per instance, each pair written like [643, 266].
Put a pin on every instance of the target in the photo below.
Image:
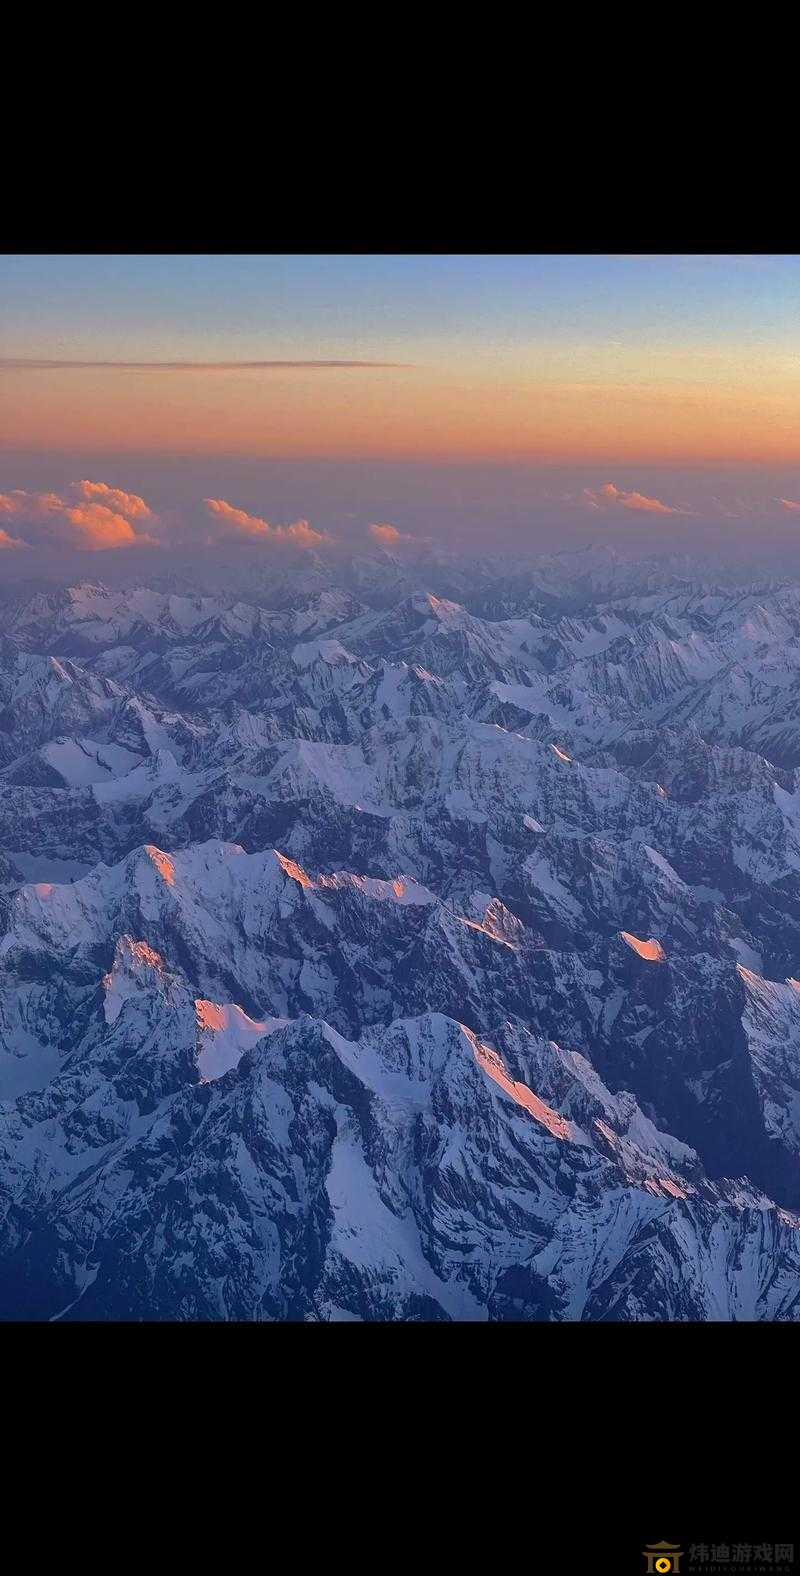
[403, 889]
[225, 1033]
[651, 951]
[136, 967]
[491, 1063]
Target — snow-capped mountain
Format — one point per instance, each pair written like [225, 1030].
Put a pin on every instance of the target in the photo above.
[402, 938]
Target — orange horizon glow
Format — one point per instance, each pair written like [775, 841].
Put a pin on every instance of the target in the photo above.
[590, 359]
[513, 411]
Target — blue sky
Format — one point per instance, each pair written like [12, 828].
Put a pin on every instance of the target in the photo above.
[107, 304]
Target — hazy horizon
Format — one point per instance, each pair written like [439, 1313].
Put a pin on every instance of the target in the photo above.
[478, 508]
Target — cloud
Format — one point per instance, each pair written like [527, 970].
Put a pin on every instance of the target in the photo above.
[234, 524]
[789, 503]
[97, 528]
[389, 534]
[7, 541]
[128, 504]
[31, 364]
[610, 496]
[724, 509]
[92, 517]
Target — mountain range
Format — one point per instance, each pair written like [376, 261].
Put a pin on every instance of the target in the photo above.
[402, 937]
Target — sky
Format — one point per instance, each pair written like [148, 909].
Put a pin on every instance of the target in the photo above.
[540, 397]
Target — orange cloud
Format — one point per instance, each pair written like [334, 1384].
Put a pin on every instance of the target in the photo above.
[128, 504]
[94, 517]
[98, 527]
[10, 541]
[236, 523]
[789, 503]
[389, 534]
[610, 496]
[80, 521]
[389, 537]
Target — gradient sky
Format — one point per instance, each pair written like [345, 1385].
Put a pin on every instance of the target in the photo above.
[619, 359]
[597, 366]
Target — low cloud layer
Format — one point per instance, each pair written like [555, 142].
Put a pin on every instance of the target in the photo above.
[7, 541]
[609, 497]
[389, 535]
[98, 517]
[229, 524]
[90, 516]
